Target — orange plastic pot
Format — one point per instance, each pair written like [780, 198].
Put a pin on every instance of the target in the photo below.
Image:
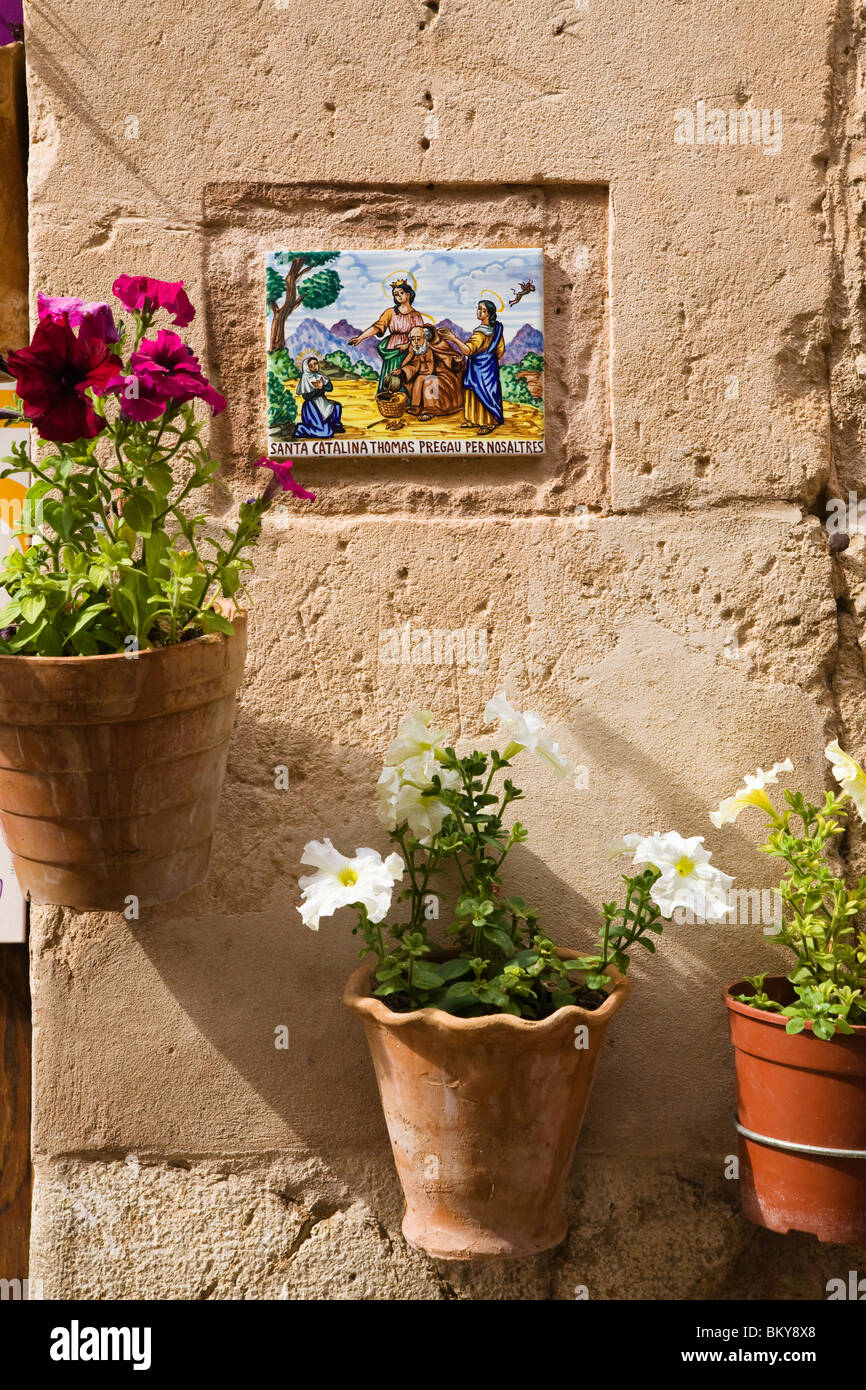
[483, 1116]
[111, 768]
[801, 1106]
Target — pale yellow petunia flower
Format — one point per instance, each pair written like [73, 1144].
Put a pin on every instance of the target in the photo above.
[849, 775]
[751, 794]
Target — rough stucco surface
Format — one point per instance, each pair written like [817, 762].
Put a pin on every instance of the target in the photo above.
[658, 585]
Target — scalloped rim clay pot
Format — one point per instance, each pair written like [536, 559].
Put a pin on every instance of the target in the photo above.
[111, 768]
[483, 1116]
[801, 1091]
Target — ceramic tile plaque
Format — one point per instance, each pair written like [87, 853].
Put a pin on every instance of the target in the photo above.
[12, 490]
[397, 353]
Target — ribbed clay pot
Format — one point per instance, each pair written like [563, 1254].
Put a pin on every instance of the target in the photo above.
[798, 1090]
[111, 768]
[484, 1116]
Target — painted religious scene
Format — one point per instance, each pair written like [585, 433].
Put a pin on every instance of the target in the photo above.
[414, 352]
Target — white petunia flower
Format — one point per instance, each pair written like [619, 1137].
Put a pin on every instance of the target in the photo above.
[849, 774]
[527, 731]
[751, 794]
[405, 794]
[688, 879]
[626, 845]
[415, 737]
[366, 880]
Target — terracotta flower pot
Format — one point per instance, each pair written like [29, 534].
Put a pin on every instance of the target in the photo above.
[483, 1116]
[111, 768]
[796, 1090]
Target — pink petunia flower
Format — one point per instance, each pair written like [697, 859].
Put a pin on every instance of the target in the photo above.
[141, 396]
[143, 292]
[77, 312]
[175, 369]
[282, 480]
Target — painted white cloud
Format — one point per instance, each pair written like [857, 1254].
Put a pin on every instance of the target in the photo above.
[449, 284]
[500, 276]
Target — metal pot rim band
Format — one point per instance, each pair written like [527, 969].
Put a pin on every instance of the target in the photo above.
[791, 1147]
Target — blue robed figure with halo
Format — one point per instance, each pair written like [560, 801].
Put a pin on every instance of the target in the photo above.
[482, 387]
[321, 418]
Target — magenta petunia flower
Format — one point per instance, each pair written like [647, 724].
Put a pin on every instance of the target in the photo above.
[141, 397]
[143, 292]
[282, 480]
[54, 373]
[76, 311]
[171, 365]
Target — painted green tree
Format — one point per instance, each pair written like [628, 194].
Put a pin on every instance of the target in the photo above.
[282, 403]
[338, 358]
[342, 360]
[514, 387]
[284, 365]
[293, 279]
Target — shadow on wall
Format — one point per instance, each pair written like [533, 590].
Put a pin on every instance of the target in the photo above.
[244, 965]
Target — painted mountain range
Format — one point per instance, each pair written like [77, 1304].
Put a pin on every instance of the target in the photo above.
[311, 334]
[366, 351]
[526, 339]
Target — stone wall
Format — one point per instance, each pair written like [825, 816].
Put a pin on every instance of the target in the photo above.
[658, 585]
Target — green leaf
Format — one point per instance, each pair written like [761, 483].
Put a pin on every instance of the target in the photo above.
[138, 513]
[66, 520]
[159, 476]
[128, 609]
[597, 981]
[451, 969]
[215, 622]
[463, 992]
[32, 606]
[500, 939]
[155, 549]
[84, 645]
[497, 997]
[39, 489]
[425, 978]
[230, 579]
[528, 958]
[86, 617]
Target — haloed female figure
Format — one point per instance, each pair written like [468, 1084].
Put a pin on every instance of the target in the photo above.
[482, 388]
[392, 327]
[320, 418]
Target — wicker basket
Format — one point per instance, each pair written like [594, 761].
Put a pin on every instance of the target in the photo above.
[391, 404]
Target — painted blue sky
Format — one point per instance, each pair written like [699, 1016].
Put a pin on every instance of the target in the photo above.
[449, 284]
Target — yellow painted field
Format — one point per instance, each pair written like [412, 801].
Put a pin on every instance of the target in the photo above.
[359, 411]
